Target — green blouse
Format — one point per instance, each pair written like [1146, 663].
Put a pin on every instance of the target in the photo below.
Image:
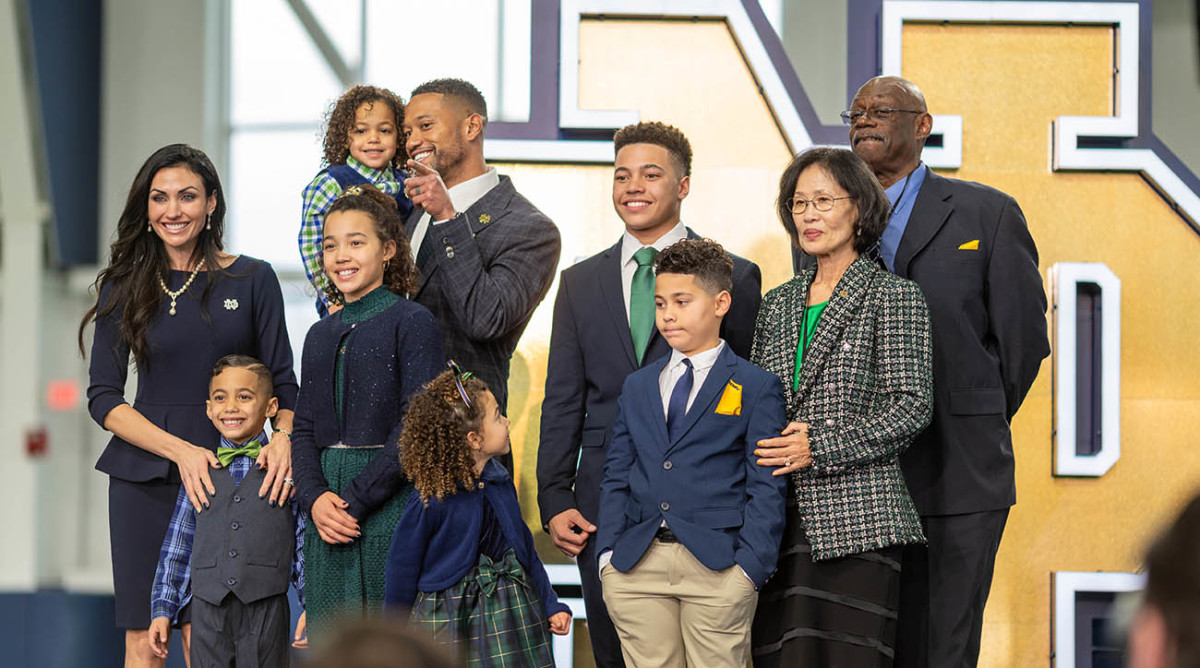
[808, 327]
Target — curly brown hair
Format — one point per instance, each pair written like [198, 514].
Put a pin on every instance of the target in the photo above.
[400, 277]
[703, 259]
[433, 445]
[659, 134]
[339, 121]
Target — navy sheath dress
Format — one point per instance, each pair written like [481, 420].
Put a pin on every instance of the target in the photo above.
[245, 316]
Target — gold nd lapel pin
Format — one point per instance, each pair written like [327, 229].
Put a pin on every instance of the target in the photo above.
[970, 245]
[484, 218]
[731, 400]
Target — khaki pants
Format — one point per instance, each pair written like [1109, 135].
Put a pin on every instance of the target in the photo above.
[672, 610]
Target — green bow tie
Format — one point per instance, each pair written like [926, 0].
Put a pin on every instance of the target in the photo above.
[250, 449]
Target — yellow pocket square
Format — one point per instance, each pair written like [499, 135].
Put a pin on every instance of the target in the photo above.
[970, 245]
[731, 400]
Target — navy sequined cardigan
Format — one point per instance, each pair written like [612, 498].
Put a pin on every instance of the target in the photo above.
[389, 355]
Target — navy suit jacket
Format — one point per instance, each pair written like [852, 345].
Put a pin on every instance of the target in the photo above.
[724, 507]
[591, 355]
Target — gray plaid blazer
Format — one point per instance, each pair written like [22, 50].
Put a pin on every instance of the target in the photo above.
[490, 268]
[866, 390]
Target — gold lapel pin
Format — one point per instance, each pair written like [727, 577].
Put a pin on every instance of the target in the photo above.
[843, 293]
[485, 218]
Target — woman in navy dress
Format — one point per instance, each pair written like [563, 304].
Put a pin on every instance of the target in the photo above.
[173, 301]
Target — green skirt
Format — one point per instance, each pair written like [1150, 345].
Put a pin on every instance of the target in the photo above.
[493, 616]
[347, 581]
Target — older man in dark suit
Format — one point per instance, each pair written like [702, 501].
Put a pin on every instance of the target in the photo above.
[604, 331]
[486, 255]
[968, 247]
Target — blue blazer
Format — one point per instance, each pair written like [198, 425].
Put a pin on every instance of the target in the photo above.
[591, 355]
[725, 508]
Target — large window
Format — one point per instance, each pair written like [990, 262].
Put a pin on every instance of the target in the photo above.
[280, 89]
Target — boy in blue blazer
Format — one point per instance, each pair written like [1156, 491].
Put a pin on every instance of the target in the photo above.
[690, 525]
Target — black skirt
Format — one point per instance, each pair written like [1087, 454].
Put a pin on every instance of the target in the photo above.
[836, 613]
[138, 514]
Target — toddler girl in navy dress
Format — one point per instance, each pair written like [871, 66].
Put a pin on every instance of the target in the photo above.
[359, 367]
[462, 563]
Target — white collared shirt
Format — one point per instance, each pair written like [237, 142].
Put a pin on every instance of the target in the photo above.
[630, 245]
[701, 364]
[462, 196]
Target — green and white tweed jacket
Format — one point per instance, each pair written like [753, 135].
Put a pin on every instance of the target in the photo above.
[866, 390]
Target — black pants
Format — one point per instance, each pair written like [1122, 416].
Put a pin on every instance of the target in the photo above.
[606, 646]
[944, 587]
[240, 635]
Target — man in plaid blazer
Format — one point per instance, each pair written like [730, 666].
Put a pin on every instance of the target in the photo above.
[967, 246]
[485, 253]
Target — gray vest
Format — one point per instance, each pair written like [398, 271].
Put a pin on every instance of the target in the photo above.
[242, 544]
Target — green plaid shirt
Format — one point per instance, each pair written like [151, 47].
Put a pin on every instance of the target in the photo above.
[318, 197]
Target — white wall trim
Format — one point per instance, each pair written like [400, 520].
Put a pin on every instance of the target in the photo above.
[1064, 277]
[1065, 130]
[573, 12]
[1066, 585]
[564, 646]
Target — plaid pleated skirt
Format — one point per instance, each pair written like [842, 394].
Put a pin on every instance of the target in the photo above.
[493, 616]
[347, 581]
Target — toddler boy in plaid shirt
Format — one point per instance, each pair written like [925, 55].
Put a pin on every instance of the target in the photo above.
[362, 145]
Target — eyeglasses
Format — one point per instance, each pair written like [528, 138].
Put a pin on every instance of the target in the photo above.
[820, 203]
[881, 114]
[459, 377]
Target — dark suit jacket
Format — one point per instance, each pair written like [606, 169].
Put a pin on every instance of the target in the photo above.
[591, 354]
[490, 268]
[866, 390]
[706, 483]
[988, 311]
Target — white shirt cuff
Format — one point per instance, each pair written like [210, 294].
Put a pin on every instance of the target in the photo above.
[605, 557]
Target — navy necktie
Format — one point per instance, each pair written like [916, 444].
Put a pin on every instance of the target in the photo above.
[677, 406]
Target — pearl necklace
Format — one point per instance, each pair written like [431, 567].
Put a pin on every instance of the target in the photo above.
[186, 284]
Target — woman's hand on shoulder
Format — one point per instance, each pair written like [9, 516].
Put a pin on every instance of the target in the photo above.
[194, 464]
[276, 458]
[560, 623]
[336, 526]
[788, 452]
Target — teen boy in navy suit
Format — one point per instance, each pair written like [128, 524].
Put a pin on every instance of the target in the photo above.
[690, 525]
[604, 331]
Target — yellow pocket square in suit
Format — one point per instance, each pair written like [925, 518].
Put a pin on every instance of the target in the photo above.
[731, 400]
[970, 245]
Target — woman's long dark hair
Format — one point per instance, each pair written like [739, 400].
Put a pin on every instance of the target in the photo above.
[138, 258]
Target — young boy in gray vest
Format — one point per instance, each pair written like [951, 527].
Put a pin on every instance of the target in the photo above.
[234, 560]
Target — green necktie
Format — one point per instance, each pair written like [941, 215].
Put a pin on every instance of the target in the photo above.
[250, 449]
[641, 301]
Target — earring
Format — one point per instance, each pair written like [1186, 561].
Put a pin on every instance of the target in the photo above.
[208, 223]
[385, 264]
[149, 227]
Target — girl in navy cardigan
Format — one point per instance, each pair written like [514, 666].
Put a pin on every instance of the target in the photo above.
[462, 562]
[360, 366]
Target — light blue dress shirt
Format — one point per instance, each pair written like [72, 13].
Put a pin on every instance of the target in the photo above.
[902, 194]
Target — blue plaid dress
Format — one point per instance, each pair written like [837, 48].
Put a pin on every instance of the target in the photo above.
[493, 616]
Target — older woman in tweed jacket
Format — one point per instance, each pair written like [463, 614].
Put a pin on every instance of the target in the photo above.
[851, 342]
